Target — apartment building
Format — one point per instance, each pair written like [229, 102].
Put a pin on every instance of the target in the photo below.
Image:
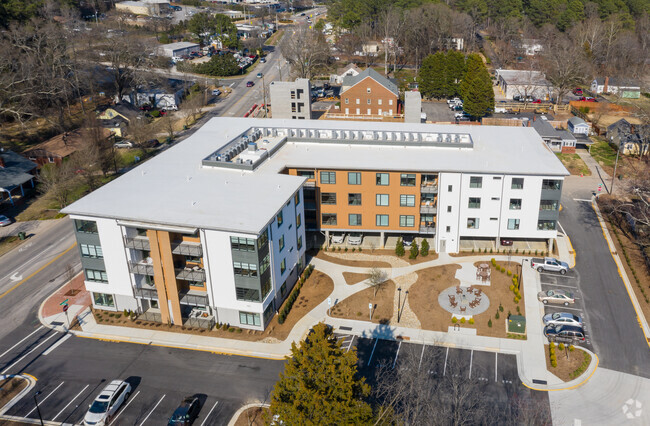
[369, 93]
[214, 228]
[291, 99]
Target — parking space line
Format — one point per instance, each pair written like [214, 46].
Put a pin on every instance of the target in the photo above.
[444, 369]
[397, 353]
[57, 344]
[17, 344]
[471, 359]
[421, 356]
[54, 333]
[561, 285]
[124, 408]
[496, 365]
[153, 409]
[373, 352]
[71, 401]
[350, 345]
[209, 412]
[45, 399]
[566, 307]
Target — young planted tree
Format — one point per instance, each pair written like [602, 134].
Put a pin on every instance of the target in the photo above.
[319, 385]
[377, 279]
[424, 248]
[414, 250]
[399, 248]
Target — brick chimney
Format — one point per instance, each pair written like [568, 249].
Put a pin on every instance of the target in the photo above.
[606, 86]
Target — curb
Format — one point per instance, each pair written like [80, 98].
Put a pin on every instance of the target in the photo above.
[573, 384]
[31, 382]
[243, 408]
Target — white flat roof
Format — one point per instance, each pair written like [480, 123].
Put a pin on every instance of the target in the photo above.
[175, 188]
[179, 45]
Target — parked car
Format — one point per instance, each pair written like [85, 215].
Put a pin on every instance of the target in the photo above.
[562, 318]
[186, 413]
[537, 101]
[104, 407]
[577, 91]
[146, 107]
[355, 239]
[123, 144]
[262, 60]
[250, 84]
[460, 115]
[216, 92]
[337, 238]
[453, 101]
[557, 297]
[506, 242]
[151, 143]
[564, 333]
[407, 240]
[549, 264]
[587, 99]
[259, 75]
[4, 220]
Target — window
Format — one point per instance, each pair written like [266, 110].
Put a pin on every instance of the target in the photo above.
[382, 220]
[552, 184]
[513, 224]
[283, 266]
[549, 205]
[328, 177]
[293, 94]
[247, 294]
[390, 102]
[354, 178]
[405, 220]
[515, 204]
[296, 198]
[347, 101]
[378, 101]
[245, 269]
[92, 251]
[249, 318]
[97, 276]
[266, 287]
[265, 264]
[283, 288]
[328, 218]
[280, 219]
[496, 178]
[86, 226]
[242, 244]
[475, 182]
[474, 203]
[517, 183]
[546, 225]
[298, 221]
[382, 199]
[407, 200]
[358, 101]
[448, 229]
[328, 198]
[369, 101]
[196, 283]
[299, 242]
[472, 223]
[354, 219]
[354, 199]
[263, 239]
[407, 179]
[448, 209]
[382, 179]
[103, 299]
[141, 232]
[450, 188]
[281, 243]
[367, 89]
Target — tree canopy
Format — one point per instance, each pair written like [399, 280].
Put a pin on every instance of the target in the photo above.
[441, 74]
[320, 386]
[476, 88]
[218, 66]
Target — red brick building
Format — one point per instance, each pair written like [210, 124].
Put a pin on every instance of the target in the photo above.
[369, 93]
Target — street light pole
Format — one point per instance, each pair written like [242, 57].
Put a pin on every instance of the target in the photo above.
[38, 410]
[399, 302]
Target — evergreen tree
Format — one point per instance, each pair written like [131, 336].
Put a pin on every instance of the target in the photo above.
[424, 248]
[431, 79]
[319, 385]
[476, 88]
[414, 250]
[455, 71]
[399, 248]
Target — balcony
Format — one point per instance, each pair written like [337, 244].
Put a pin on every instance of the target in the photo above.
[199, 318]
[194, 273]
[146, 292]
[429, 208]
[429, 188]
[428, 229]
[187, 248]
[138, 243]
[142, 268]
[194, 298]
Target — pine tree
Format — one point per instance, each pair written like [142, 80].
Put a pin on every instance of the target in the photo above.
[431, 78]
[399, 248]
[424, 248]
[319, 385]
[455, 71]
[476, 88]
[414, 250]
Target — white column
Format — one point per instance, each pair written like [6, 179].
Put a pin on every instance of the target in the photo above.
[382, 242]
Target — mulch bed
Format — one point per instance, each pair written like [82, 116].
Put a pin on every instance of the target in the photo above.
[354, 278]
[9, 388]
[356, 306]
[566, 368]
[423, 296]
[253, 416]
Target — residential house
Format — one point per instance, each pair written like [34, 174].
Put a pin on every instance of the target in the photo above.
[626, 88]
[291, 99]
[631, 139]
[167, 97]
[577, 125]
[531, 46]
[556, 140]
[116, 118]
[250, 195]
[351, 69]
[369, 94]
[56, 149]
[16, 174]
[523, 84]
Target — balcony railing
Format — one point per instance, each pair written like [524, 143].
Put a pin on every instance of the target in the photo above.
[428, 209]
[141, 268]
[429, 188]
[187, 248]
[191, 274]
[207, 323]
[138, 243]
[194, 299]
[427, 229]
[150, 316]
[147, 293]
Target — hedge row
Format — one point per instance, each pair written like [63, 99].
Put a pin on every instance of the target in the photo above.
[294, 294]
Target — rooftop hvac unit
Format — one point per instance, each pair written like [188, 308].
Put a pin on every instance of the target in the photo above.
[225, 157]
[448, 138]
[252, 146]
[249, 162]
[239, 161]
[439, 137]
[457, 138]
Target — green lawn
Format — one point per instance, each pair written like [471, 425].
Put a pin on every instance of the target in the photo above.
[574, 164]
[604, 154]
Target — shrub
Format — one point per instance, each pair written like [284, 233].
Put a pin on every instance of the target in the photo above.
[399, 248]
[512, 287]
[359, 249]
[553, 363]
[354, 249]
[561, 346]
[126, 312]
[346, 249]
[472, 249]
[516, 250]
[358, 314]
[516, 299]
[535, 252]
[490, 249]
[494, 262]
[518, 310]
[454, 320]
[462, 320]
[496, 316]
[324, 248]
[231, 329]
[414, 250]
[509, 273]
[500, 307]
[571, 348]
[508, 314]
[424, 249]
[239, 330]
[471, 321]
[490, 323]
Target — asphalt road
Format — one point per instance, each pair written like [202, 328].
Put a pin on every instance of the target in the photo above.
[612, 324]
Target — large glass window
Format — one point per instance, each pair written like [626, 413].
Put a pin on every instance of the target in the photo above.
[406, 200]
[354, 219]
[328, 198]
[309, 174]
[103, 299]
[407, 179]
[328, 177]
[546, 225]
[247, 294]
[474, 203]
[383, 179]
[513, 224]
[263, 239]
[472, 223]
[91, 251]
[549, 205]
[97, 276]
[354, 178]
[328, 218]
[407, 220]
[515, 204]
[245, 269]
[242, 244]
[266, 287]
[551, 184]
[249, 318]
[265, 264]
[517, 183]
[354, 199]
[475, 182]
[382, 220]
[87, 226]
[382, 199]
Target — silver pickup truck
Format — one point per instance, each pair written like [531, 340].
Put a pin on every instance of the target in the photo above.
[549, 264]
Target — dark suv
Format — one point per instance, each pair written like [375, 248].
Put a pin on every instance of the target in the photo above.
[564, 333]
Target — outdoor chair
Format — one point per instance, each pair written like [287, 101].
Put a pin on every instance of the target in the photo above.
[459, 290]
[453, 304]
[478, 292]
[463, 308]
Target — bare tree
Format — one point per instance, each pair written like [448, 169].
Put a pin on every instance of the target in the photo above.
[128, 62]
[56, 182]
[563, 64]
[377, 279]
[306, 51]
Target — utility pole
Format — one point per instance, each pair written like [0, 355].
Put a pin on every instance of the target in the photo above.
[611, 190]
[266, 108]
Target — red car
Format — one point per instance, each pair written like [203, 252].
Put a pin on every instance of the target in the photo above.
[577, 91]
[537, 101]
[250, 84]
[588, 99]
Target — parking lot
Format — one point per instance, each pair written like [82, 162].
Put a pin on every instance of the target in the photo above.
[571, 283]
[438, 111]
